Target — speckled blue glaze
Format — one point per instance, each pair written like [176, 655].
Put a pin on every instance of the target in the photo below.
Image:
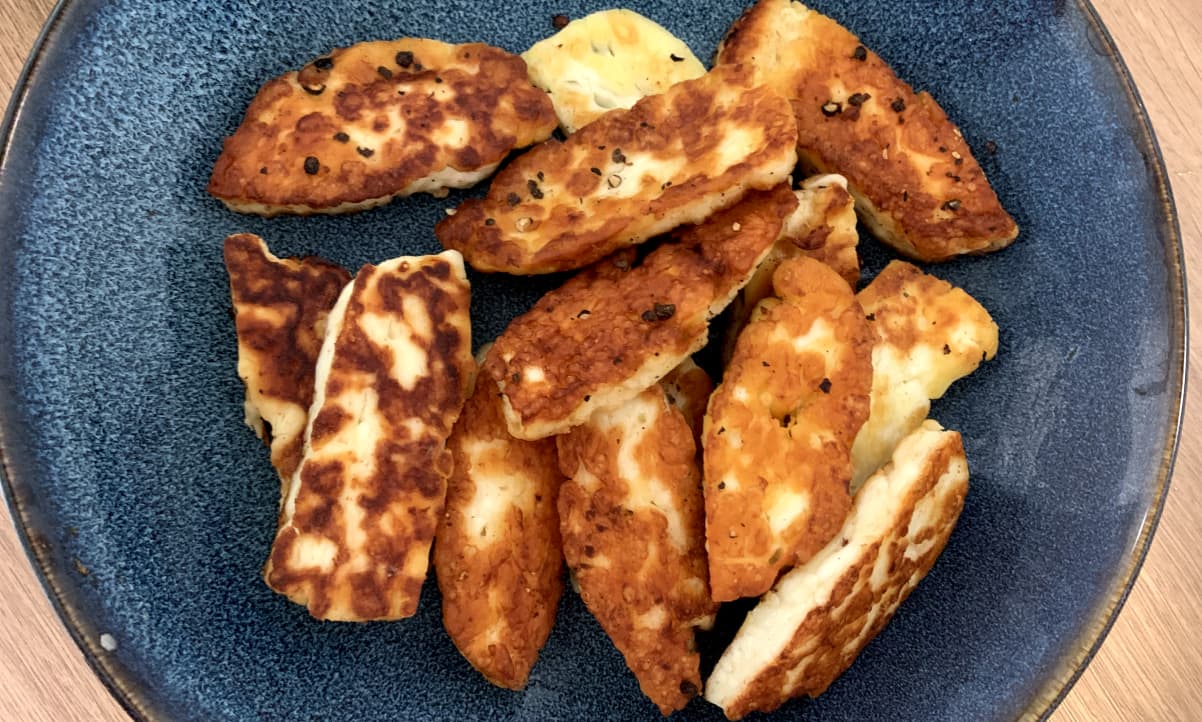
[121, 414]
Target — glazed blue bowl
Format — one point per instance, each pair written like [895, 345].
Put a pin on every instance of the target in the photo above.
[124, 451]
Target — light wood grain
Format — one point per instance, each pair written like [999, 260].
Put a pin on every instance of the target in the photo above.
[1148, 669]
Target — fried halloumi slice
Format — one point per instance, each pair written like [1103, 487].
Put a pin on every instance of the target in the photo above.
[379, 120]
[608, 60]
[497, 551]
[929, 334]
[779, 429]
[672, 159]
[810, 628]
[916, 183]
[280, 311]
[355, 530]
[688, 387]
[632, 518]
[616, 328]
[823, 227]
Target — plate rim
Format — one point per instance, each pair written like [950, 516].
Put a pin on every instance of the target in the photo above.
[136, 699]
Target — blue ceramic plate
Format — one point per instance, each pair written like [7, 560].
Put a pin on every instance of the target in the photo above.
[148, 506]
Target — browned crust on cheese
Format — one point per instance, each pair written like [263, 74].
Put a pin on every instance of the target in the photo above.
[499, 595]
[796, 423]
[600, 329]
[625, 560]
[829, 236]
[688, 388]
[931, 214]
[402, 498]
[486, 88]
[548, 210]
[828, 633]
[280, 309]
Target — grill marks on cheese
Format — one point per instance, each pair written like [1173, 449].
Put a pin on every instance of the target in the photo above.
[609, 59]
[809, 629]
[598, 340]
[779, 430]
[916, 183]
[356, 528]
[929, 334]
[498, 555]
[632, 519]
[280, 311]
[379, 120]
[671, 159]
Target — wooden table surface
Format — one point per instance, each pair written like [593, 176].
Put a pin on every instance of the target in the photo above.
[1150, 667]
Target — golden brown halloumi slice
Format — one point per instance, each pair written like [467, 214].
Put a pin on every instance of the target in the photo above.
[812, 625]
[916, 183]
[497, 553]
[929, 334]
[822, 227]
[632, 518]
[355, 531]
[609, 59]
[280, 311]
[779, 429]
[672, 159]
[688, 387]
[618, 327]
[379, 120]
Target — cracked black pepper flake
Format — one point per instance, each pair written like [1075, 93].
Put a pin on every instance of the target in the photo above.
[384, 72]
[418, 67]
[587, 398]
[721, 430]
[404, 58]
[825, 386]
[946, 349]
[952, 205]
[721, 484]
[313, 90]
[365, 152]
[535, 192]
[559, 22]
[990, 147]
[660, 312]
[342, 137]
[898, 105]
[312, 165]
[870, 317]
[676, 58]
[323, 63]
[489, 222]
[515, 378]
[860, 53]
[617, 360]
[858, 98]
[595, 171]
[589, 550]
[775, 556]
[943, 149]
[831, 108]
[618, 156]
[437, 78]
[905, 196]
[263, 170]
[513, 199]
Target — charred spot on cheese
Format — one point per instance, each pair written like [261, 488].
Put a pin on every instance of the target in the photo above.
[671, 159]
[895, 165]
[784, 463]
[355, 529]
[424, 132]
[607, 60]
[811, 627]
[549, 358]
[498, 554]
[280, 309]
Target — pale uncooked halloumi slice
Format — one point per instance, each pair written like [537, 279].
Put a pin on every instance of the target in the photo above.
[632, 519]
[671, 159]
[497, 553]
[280, 311]
[916, 183]
[929, 334]
[376, 121]
[355, 530]
[607, 60]
[616, 328]
[812, 625]
[822, 227]
[779, 429]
